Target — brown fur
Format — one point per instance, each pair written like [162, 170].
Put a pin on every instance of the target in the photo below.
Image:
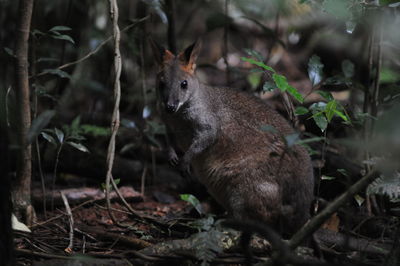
[248, 171]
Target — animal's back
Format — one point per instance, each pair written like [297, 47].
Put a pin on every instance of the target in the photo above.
[250, 170]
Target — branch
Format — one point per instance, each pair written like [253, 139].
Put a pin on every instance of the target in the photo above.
[115, 121]
[321, 217]
[134, 24]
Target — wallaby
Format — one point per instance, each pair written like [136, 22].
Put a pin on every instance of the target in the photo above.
[250, 171]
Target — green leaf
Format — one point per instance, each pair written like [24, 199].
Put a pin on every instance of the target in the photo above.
[39, 123]
[193, 201]
[360, 200]
[317, 107]
[321, 121]
[60, 28]
[75, 123]
[350, 26]
[254, 53]
[336, 81]
[58, 72]
[295, 93]
[268, 86]
[348, 68]
[390, 3]
[330, 109]
[280, 81]
[283, 85]
[9, 51]
[254, 79]
[146, 112]
[48, 137]
[342, 171]
[301, 110]
[63, 37]
[128, 123]
[59, 134]
[342, 115]
[325, 177]
[78, 146]
[292, 139]
[337, 8]
[310, 140]
[325, 94]
[269, 128]
[387, 75]
[257, 63]
[36, 32]
[95, 131]
[315, 70]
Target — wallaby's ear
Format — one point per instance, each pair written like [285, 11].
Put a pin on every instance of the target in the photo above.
[189, 56]
[160, 53]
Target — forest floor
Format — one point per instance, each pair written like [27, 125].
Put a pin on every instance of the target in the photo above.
[97, 240]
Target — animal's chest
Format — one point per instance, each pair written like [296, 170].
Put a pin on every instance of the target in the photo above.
[182, 131]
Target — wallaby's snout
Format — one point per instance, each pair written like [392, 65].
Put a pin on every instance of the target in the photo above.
[172, 107]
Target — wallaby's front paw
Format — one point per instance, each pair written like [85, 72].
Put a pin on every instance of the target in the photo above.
[173, 157]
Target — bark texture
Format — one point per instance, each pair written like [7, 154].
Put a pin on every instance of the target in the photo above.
[22, 184]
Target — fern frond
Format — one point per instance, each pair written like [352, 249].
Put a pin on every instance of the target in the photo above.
[386, 185]
[207, 246]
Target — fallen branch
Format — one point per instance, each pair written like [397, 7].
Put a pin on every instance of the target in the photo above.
[309, 228]
[130, 241]
[61, 215]
[71, 224]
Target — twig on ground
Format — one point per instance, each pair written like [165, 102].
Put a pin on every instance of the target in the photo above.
[131, 241]
[71, 224]
[62, 215]
[143, 179]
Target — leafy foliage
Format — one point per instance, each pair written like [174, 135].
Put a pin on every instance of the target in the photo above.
[193, 201]
[280, 80]
[70, 135]
[39, 123]
[206, 243]
[315, 70]
[322, 112]
[207, 246]
[386, 185]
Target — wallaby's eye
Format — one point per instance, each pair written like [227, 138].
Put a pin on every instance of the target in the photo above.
[184, 84]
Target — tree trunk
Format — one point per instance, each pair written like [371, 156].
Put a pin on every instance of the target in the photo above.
[6, 242]
[22, 185]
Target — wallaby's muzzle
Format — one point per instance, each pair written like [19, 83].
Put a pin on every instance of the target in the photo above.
[171, 107]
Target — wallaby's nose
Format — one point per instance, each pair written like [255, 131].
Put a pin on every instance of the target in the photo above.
[171, 108]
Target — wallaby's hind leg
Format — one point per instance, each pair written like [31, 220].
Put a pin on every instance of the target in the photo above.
[257, 202]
